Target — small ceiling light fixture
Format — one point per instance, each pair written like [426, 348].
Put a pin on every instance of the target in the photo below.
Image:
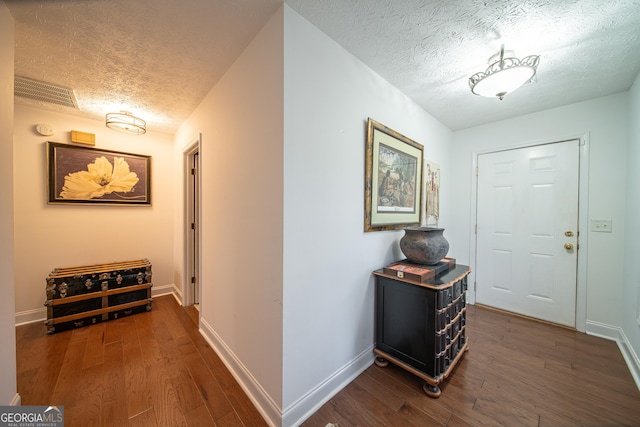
[126, 122]
[504, 75]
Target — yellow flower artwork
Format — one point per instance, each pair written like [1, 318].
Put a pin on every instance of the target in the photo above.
[100, 178]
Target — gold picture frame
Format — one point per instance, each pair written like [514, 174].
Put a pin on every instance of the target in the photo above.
[393, 179]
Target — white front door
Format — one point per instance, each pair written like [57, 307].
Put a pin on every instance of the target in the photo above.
[527, 219]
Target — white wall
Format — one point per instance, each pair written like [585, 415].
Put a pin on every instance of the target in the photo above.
[631, 282]
[50, 236]
[328, 259]
[8, 388]
[606, 121]
[241, 121]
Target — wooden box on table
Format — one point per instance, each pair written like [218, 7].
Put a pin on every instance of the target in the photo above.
[418, 272]
[80, 296]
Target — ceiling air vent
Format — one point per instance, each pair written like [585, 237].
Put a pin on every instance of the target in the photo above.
[44, 92]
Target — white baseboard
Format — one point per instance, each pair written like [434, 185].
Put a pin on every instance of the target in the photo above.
[304, 407]
[16, 401]
[177, 298]
[603, 330]
[308, 404]
[617, 334]
[40, 314]
[260, 398]
[157, 291]
[31, 316]
[630, 356]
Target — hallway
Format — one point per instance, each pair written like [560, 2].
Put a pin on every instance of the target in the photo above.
[149, 369]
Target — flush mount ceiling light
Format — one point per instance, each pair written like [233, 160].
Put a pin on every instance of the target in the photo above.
[504, 75]
[126, 122]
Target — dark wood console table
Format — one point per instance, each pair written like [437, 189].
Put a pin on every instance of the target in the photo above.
[420, 325]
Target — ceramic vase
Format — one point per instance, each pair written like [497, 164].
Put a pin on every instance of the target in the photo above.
[424, 245]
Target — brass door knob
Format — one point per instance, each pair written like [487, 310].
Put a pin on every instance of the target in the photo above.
[568, 246]
[568, 233]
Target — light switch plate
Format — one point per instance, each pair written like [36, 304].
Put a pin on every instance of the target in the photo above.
[601, 225]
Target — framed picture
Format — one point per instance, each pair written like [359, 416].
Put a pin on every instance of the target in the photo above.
[393, 179]
[432, 181]
[85, 175]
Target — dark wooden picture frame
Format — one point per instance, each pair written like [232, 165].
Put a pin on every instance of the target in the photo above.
[86, 175]
[393, 179]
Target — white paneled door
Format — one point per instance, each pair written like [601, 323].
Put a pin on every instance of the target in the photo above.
[527, 219]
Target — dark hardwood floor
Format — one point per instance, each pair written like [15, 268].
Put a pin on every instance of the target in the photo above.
[518, 372]
[155, 369]
[149, 369]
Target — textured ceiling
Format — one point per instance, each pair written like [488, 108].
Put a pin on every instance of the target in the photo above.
[429, 48]
[155, 58]
[159, 58]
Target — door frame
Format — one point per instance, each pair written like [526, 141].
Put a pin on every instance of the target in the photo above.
[188, 293]
[583, 209]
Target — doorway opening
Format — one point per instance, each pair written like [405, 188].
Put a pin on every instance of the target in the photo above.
[192, 284]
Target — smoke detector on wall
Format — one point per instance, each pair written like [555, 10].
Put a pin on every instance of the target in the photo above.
[45, 130]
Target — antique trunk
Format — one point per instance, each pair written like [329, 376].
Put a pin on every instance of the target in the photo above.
[81, 296]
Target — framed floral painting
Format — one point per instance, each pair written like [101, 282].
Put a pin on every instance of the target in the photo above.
[393, 179]
[88, 175]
